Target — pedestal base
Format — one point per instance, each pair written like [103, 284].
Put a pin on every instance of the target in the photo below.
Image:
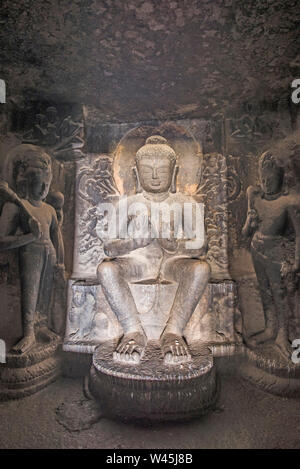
[152, 390]
[26, 374]
[267, 369]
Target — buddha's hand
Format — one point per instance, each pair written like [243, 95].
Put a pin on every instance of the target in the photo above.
[140, 242]
[167, 240]
[169, 244]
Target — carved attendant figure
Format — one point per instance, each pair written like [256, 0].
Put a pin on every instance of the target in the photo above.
[153, 259]
[269, 210]
[31, 225]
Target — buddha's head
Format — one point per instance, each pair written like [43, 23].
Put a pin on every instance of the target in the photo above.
[271, 174]
[156, 166]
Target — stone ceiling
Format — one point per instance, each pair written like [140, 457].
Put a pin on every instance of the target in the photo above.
[130, 60]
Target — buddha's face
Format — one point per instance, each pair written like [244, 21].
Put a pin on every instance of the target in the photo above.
[155, 173]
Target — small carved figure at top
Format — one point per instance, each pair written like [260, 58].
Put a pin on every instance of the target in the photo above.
[249, 127]
[52, 137]
[62, 137]
[30, 224]
[270, 209]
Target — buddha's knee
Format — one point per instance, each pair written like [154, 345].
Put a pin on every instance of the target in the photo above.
[106, 271]
[201, 270]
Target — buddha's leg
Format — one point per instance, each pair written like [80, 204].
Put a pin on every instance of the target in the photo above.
[192, 276]
[31, 265]
[113, 276]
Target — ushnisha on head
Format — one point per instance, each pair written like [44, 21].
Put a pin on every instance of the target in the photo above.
[30, 168]
[156, 166]
[271, 174]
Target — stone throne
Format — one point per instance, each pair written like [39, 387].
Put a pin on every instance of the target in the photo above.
[92, 324]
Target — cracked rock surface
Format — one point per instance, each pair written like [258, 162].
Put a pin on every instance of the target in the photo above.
[143, 59]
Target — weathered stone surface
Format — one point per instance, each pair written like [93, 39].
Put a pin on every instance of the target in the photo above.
[78, 415]
[214, 78]
[141, 60]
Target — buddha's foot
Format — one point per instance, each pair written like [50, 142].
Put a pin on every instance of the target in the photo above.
[130, 348]
[25, 344]
[175, 349]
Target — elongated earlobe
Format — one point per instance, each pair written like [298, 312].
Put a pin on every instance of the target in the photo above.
[138, 187]
[174, 177]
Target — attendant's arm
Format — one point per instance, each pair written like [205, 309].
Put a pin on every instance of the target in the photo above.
[251, 222]
[9, 223]
[57, 240]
